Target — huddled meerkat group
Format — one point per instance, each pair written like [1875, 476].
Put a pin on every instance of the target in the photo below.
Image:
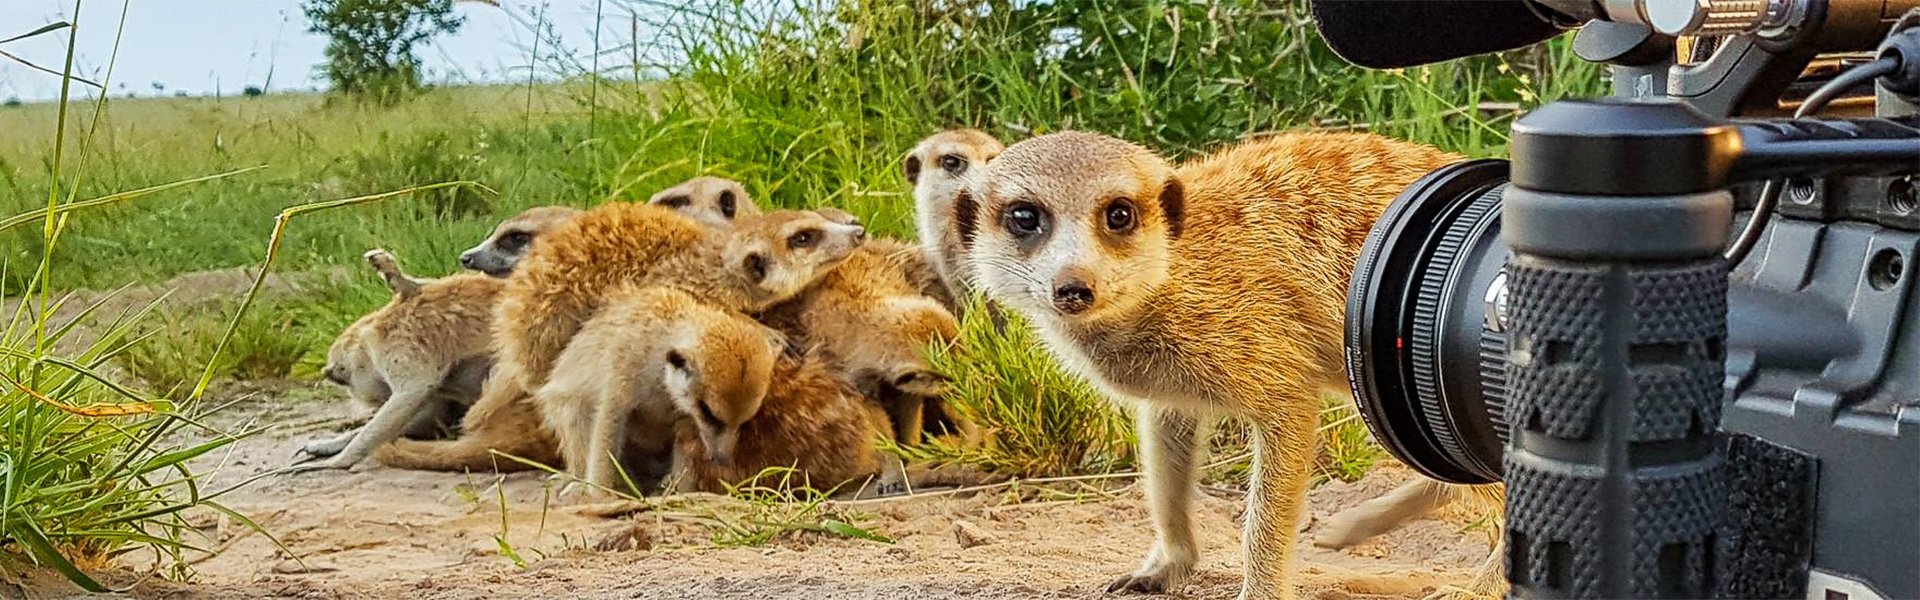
[698, 339]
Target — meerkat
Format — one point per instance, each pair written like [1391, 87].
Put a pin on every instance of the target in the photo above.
[1217, 287]
[1417, 498]
[870, 322]
[649, 357]
[513, 238]
[762, 260]
[414, 362]
[943, 170]
[715, 201]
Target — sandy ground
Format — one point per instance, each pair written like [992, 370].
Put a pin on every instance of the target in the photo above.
[385, 533]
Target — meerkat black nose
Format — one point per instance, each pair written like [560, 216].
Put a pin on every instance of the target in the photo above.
[466, 259]
[1073, 297]
[859, 235]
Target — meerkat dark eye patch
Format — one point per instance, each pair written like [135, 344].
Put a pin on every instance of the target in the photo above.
[676, 202]
[515, 240]
[712, 420]
[728, 204]
[912, 169]
[965, 211]
[1119, 216]
[953, 164]
[804, 238]
[1024, 220]
[755, 267]
[1173, 206]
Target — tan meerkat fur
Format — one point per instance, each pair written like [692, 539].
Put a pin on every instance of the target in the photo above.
[943, 170]
[513, 238]
[650, 357]
[870, 322]
[424, 355]
[1417, 498]
[764, 259]
[1217, 287]
[715, 201]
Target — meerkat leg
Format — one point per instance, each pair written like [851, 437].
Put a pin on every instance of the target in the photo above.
[1380, 515]
[318, 449]
[387, 425]
[604, 441]
[1170, 451]
[1283, 455]
[908, 413]
[389, 269]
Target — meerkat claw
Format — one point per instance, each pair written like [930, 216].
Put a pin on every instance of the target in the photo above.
[1140, 584]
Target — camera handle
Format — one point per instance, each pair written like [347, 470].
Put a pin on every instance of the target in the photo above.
[1617, 300]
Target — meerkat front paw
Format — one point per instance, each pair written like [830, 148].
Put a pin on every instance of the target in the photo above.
[1161, 573]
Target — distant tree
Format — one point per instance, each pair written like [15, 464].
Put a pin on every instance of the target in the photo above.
[158, 87]
[370, 47]
[179, 93]
[253, 91]
[13, 101]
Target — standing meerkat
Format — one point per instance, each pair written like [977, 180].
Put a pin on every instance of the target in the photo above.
[763, 259]
[513, 238]
[715, 201]
[870, 322]
[650, 357]
[943, 170]
[1214, 287]
[414, 362]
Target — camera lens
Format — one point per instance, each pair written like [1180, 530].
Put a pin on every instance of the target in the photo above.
[1425, 330]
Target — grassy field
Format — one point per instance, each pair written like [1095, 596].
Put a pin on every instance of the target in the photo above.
[813, 105]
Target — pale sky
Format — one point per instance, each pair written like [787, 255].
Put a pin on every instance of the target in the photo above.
[201, 46]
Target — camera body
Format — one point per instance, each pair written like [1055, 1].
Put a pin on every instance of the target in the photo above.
[1692, 384]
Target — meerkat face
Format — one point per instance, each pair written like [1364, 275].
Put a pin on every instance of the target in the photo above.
[1076, 226]
[718, 377]
[350, 366]
[713, 201]
[500, 252]
[942, 167]
[782, 252]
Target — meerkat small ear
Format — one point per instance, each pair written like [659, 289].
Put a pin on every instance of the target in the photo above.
[966, 213]
[912, 168]
[675, 360]
[1173, 206]
[675, 201]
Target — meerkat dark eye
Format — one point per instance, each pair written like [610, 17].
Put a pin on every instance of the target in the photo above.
[728, 204]
[756, 267]
[675, 360]
[953, 164]
[675, 202]
[1120, 218]
[804, 238]
[515, 240]
[1024, 219]
[912, 168]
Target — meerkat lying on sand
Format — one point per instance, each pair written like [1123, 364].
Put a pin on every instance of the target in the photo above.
[715, 201]
[513, 238]
[414, 362]
[762, 260]
[1214, 287]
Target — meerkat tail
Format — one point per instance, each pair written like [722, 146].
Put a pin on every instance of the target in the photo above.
[388, 267]
[446, 455]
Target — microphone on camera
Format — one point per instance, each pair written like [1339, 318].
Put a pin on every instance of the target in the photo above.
[1387, 34]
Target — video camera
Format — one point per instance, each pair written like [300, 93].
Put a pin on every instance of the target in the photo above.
[1675, 324]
